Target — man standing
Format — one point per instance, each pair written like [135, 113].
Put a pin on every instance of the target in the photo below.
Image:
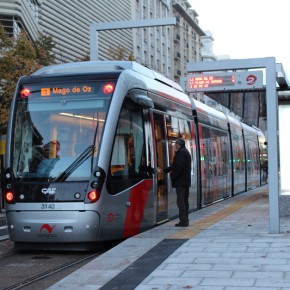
[180, 174]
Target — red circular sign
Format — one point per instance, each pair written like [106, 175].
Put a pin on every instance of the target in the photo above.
[251, 79]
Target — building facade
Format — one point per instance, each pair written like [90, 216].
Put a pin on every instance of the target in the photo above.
[152, 46]
[16, 15]
[68, 22]
[166, 49]
[187, 37]
[207, 47]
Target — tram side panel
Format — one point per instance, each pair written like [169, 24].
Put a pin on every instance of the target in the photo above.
[170, 121]
[193, 194]
[163, 191]
[178, 127]
[238, 155]
[136, 196]
[214, 146]
[128, 204]
[215, 167]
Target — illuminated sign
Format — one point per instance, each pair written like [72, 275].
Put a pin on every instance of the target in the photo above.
[67, 90]
[224, 81]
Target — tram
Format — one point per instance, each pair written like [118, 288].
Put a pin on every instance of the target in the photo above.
[84, 144]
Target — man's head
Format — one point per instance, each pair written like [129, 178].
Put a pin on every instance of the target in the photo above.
[179, 143]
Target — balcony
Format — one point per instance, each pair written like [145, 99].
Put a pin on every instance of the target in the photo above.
[177, 73]
[177, 38]
[177, 56]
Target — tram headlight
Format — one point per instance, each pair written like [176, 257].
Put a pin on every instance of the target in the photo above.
[9, 197]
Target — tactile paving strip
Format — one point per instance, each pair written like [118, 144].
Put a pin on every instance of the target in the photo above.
[133, 275]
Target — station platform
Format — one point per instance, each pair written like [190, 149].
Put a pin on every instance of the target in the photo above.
[226, 246]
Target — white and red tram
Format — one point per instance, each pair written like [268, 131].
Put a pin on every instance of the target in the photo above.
[85, 142]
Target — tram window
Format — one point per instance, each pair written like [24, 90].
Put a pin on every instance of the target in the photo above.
[205, 151]
[128, 161]
[238, 164]
[177, 128]
[214, 151]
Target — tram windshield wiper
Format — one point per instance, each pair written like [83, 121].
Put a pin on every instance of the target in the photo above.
[69, 170]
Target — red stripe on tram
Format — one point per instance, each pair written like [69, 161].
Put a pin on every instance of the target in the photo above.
[138, 199]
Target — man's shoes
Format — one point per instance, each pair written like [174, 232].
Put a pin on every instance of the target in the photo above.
[182, 225]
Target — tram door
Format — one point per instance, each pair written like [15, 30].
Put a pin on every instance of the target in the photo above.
[161, 158]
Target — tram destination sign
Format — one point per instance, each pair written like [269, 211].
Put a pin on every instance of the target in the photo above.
[228, 81]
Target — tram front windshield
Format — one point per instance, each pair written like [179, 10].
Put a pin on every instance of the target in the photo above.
[58, 129]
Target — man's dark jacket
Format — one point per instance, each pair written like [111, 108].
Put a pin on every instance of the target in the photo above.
[180, 169]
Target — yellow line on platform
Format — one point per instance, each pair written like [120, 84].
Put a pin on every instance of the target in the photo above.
[204, 223]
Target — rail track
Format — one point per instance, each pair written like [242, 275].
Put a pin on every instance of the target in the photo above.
[41, 280]
[37, 269]
[3, 229]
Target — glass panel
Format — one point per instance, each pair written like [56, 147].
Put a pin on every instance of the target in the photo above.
[238, 164]
[180, 128]
[205, 158]
[128, 161]
[252, 107]
[253, 164]
[264, 164]
[238, 104]
[161, 158]
[53, 132]
[215, 165]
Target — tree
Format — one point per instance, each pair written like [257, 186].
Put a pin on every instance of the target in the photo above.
[18, 58]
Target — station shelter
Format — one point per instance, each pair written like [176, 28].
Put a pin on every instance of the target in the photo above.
[257, 92]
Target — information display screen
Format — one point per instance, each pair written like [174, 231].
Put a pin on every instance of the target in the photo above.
[66, 90]
[224, 81]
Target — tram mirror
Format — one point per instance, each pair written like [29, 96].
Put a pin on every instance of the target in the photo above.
[141, 99]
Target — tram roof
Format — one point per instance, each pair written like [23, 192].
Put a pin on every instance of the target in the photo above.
[103, 66]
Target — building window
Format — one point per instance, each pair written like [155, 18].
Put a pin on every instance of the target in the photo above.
[12, 25]
[16, 29]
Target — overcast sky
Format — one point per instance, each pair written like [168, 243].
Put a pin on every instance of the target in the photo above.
[247, 28]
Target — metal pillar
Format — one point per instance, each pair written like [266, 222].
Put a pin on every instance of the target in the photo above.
[95, 27]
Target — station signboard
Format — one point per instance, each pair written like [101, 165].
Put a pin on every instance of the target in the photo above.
[227, 81]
